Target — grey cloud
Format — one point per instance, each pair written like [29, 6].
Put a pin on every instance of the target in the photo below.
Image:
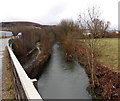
[54, 14]
[57, 9]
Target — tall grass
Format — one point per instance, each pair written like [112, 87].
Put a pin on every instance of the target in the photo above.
[109, 52]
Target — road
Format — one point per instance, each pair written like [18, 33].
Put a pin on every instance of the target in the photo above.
[3, 43]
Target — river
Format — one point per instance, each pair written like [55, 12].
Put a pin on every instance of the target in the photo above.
[63, 80]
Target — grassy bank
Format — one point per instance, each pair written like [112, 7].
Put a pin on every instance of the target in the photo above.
[8, 91]
[106, 83]
[106, 74]
[109, 52]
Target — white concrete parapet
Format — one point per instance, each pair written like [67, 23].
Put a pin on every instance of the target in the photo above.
[26, 82]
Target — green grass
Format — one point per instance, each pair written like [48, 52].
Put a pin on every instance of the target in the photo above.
[109, 52]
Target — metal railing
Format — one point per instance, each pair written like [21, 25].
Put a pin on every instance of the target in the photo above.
[24, 86]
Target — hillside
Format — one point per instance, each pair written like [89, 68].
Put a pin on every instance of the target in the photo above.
[21, 23]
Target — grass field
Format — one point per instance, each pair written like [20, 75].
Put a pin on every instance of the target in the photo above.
[109, 52]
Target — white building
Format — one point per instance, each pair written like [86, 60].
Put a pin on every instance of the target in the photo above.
[116, 32]
[18, 35]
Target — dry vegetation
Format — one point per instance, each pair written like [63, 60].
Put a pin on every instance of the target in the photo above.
[89, 52]
[96, 54]
[8, 85]
[109, 52]
[26, 48]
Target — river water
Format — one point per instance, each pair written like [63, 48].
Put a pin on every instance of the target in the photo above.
[63, 80]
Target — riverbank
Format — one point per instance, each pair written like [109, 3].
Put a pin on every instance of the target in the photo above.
[33, 62]
[34, 71]
[66, 80]
[107, 84]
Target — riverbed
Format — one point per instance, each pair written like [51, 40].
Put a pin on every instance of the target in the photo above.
[63, 80]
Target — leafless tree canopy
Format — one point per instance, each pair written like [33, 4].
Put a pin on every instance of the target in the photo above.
[91, 21]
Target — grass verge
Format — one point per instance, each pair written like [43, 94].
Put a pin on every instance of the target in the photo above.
[8, 91]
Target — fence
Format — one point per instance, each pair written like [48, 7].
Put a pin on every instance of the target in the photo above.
[24, 86]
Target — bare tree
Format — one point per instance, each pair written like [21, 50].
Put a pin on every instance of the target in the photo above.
[93, 29]
[67, 28]
[66, 31]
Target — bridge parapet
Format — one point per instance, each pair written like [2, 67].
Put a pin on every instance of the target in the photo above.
[24, 86]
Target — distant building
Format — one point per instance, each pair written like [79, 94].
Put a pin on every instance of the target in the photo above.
[86, 32]
[116, 32]
[4, 34]
[19, 35]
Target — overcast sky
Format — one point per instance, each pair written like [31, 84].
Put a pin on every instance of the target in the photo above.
[52, 11]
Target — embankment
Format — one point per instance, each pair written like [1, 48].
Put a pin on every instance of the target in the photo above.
[34, 62]
[107, 82]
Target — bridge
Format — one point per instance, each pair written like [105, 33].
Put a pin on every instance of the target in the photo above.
[24, 86]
